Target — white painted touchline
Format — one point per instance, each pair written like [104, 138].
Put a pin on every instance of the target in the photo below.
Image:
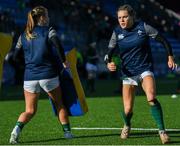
[105, 128]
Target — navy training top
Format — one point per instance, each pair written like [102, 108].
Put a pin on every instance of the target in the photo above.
[134, 48]
[39, 60]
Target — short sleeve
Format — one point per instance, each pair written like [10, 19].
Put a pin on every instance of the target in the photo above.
[112, 42]
[19, 43]
[150, 31]
[52, 32]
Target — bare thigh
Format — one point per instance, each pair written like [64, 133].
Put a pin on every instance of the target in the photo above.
[56, 96]
[149, 87]
[128, 98]
[31, 101]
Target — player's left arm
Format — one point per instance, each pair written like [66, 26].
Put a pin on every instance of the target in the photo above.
[153, 33]
[56, 42]
[167, 46]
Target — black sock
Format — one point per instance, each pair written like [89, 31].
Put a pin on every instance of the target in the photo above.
[127, 118]
[157, 114]
[20, 124]
[66, 127]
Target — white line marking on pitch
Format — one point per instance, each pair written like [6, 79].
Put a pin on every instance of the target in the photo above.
[136, 129]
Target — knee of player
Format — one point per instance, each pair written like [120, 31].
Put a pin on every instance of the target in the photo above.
[31, 112]
[128, 109]
[153, 102]
[60, 107]
[151, 95]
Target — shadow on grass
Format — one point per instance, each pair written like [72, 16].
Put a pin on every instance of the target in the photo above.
[155, 134]
[134, 135]
[76, 137]
[143, 134]
[149, 133]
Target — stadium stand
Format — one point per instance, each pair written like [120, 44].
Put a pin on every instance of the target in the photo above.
[81, 22]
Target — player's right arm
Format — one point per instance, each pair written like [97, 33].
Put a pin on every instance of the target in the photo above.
[17, 48]
[108, 57]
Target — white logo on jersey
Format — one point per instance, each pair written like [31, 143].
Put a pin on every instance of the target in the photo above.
[120, 36]
[139, 32]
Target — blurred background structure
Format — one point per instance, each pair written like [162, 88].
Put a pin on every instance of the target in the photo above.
[80, 23]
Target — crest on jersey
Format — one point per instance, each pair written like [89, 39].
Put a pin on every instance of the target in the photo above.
[120, 36]
[139, 32]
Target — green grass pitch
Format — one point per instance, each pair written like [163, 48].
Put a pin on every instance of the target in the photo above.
[104, 112]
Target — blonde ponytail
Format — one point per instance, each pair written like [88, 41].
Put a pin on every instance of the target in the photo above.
[32, 20]
[29, 26]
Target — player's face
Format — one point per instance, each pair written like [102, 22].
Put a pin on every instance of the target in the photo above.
[45, 19]
[125, 21]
